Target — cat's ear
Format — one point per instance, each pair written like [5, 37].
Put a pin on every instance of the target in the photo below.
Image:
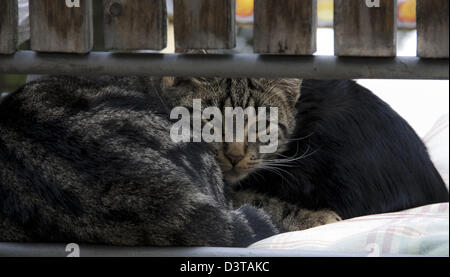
[169, 82]
[291, 88]
[287, 88]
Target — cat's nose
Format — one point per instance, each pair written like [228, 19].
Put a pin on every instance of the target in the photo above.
[235, 152]
[235, 159]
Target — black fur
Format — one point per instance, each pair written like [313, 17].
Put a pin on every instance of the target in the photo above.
[360, 156]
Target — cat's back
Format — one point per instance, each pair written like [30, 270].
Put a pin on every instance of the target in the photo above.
[365, 150]
[96, 155]
[75, 95]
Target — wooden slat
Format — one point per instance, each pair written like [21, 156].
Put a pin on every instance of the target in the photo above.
[135, 24]
[57, 28]
[205, 24]
[285, 26]
[8, 26]
[432, 28]
[360, 30]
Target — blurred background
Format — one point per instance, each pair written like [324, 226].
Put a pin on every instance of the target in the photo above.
[420, 102]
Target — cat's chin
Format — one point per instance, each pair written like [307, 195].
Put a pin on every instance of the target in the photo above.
[234, 177]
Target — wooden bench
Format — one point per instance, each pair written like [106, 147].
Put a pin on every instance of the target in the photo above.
[284, 39]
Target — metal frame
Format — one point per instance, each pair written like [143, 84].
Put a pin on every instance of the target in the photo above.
[219, 65]
[59, 250]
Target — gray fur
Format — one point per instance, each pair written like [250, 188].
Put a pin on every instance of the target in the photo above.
[91, 161]
[246, 92]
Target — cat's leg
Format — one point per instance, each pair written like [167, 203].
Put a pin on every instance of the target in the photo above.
[209, 223]
[287, 216]
[250, 225]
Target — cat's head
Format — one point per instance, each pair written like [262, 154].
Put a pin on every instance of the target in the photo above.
[240, 159]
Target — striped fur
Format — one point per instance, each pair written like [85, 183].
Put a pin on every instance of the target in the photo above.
[91, 161]
[222, 93]
[341, 149]
[280, 93]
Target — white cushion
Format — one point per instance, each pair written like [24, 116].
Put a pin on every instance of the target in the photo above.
[419, 231]
[437, 142]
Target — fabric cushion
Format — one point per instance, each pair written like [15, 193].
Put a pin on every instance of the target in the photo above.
[437, 142]
[419, 231]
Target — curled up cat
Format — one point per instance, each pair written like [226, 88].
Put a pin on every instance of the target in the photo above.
[91, 161]
[340, 149]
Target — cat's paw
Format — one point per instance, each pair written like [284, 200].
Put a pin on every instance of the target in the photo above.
[306, 219]
[321, 217]
[328, 217]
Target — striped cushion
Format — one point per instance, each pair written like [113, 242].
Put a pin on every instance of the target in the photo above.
[437, 142]
[420, 231]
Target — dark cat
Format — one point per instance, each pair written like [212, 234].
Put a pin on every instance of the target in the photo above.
[91, 161]
[341, 149]
[359, 156]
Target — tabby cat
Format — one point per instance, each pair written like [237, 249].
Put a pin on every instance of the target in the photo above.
[341, 148]
[91, 161]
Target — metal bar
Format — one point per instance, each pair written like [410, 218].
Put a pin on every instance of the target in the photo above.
[59, 250]
[234, 66]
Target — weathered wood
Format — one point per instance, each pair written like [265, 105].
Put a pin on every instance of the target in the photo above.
[58, 28]
[360, 30]
[432, 28]
[205, 24]
[8, 26]
[135, 24]
[285, 26]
